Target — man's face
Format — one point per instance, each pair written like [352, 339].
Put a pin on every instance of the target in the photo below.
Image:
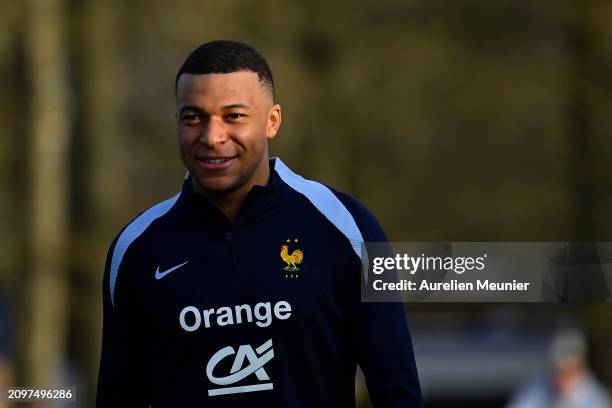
[224, 122]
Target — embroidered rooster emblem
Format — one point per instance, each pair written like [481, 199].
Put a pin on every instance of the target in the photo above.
[291, 259]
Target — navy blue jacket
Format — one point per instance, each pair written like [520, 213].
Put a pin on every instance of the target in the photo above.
[264, 311]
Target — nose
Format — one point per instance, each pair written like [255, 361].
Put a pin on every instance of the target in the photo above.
[214, 133]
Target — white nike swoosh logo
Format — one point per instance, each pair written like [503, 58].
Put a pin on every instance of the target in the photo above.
[159, 275]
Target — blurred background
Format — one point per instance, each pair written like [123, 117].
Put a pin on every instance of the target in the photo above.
[457, 120]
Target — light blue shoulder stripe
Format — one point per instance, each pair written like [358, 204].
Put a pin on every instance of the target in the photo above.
[131, 233]
[328, 204]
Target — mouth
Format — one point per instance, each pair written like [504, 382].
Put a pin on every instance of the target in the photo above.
[215, 163]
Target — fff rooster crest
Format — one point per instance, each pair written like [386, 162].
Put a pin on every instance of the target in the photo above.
[291, 259]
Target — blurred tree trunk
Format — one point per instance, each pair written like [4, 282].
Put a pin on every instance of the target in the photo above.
[99, 173]
[11, 236]
[580, 57]
[43, 317]
[585, 59]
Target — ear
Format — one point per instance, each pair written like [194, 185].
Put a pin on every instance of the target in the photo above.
[274, 121]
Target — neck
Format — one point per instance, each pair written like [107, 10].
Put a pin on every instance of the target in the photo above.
[230, 202]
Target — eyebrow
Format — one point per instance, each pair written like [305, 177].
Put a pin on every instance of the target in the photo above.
[190, 108]
[238, 105]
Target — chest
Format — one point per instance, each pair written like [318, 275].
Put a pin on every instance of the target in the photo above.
[246, 276]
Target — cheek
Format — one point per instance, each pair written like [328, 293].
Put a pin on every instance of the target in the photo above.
[252, 137]
[186, 138]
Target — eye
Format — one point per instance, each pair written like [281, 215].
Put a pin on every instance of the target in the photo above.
[191, 118]
[235, 116]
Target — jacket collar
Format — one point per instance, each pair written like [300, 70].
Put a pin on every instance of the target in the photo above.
[259, 198]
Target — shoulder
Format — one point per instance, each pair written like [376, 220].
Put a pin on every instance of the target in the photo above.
[132, 232]
[367, 223]
[141, 223]
[346, 213]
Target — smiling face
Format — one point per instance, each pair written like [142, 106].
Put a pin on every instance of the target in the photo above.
[224, 122]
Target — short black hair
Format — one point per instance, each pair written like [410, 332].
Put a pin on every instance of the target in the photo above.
[224, 57]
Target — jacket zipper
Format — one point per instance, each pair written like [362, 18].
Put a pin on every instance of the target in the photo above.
[230, 255]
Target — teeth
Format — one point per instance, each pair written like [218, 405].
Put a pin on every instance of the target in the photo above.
[215, 161]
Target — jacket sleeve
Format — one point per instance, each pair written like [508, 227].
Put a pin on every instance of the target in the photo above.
[123, 379]
[381, 336]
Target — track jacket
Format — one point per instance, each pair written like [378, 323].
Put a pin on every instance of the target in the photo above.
[262, 312]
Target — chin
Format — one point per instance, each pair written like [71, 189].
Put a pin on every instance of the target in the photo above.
[219, 185]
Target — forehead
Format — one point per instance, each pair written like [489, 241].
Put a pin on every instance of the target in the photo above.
[220, 89]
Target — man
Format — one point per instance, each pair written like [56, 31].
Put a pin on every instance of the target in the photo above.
[570, 382]
[244, 288]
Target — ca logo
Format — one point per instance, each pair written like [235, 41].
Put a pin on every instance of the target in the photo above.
[256, 360]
